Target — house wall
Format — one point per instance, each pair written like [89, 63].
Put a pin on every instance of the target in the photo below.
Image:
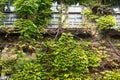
[118, 20]
[74, 16]
[117, 16]
[9, 19]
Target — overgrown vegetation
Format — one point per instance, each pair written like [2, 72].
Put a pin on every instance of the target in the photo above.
[37, 11]
[106, 22]
[63, 59]
[67, 59]
[25, 8]
[27, 70]
[110, 75]
[28, 29]
[35, 57]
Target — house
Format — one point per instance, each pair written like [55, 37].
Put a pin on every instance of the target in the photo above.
[117, 15]
[73, 17]
[9, 16]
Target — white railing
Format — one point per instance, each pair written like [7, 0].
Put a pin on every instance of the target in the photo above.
[73, 20]
[4, 77]
[117, 16]
[74, 16]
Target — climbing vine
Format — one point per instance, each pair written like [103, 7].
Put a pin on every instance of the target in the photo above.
[28, 29]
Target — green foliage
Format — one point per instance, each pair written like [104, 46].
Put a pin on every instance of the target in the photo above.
[1, 17]
[106, 22]
[87, 12]
[26, 7]
[93, 58]
[7, 66]
[69, 2]
[44, 13]
[36, 10]
[111, 2]
[28, 29]
[67, 59]
[27, 71]
[21, 67]
[90, 2]
[3, 1]
[109, 75]
[83, 2]
[9, 63]
[89, 15]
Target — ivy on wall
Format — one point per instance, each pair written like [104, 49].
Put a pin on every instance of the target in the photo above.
[38, 10]
[28, 29]
[67, 59]
[106, 22]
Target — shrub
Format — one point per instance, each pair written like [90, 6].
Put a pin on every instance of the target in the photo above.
[28, 29]
[44, 13]
[36, 10]
[88, 13]
[26, 7]
[66, 59]
[109, 75]
[93, 58]
[106, 22]
[27, 71]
